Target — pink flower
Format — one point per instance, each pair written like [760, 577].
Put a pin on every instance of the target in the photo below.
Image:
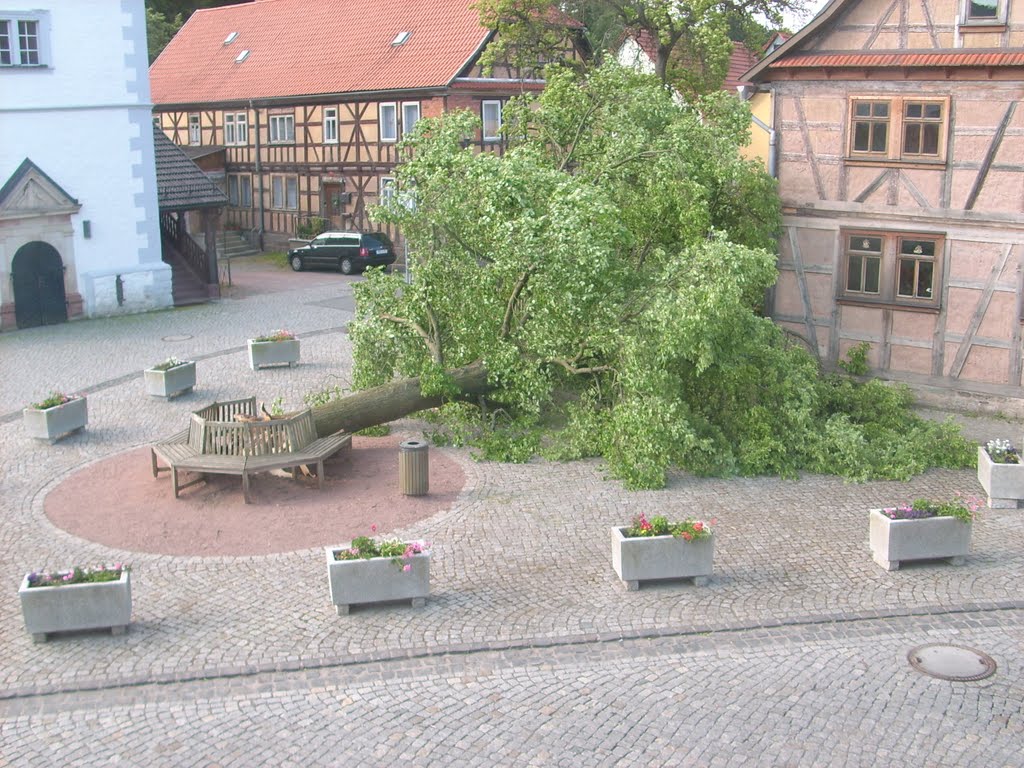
[406, 567]
[373, 528]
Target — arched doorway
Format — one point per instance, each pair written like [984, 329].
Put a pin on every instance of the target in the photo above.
[38, 275]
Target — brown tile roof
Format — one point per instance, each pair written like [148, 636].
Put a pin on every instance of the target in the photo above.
[897, 59]
[181, 185]
[298, 48]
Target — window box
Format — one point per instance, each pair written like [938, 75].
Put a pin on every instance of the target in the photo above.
[57, 422]
[77, 606]
[932, 538]
[170, 382]
[661, 557]
[377, 580]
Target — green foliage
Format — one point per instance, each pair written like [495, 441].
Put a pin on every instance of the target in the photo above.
[660, 526]
[607, 271]
[380, 430]
[962, 509]
[856, 362]
[310, 227]
[160, 28]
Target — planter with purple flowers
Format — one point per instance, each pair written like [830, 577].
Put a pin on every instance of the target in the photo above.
[81, 598]
[922, 531]
[56, 417]
[1001, 474]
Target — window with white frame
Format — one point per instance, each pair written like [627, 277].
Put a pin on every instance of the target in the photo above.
[331, 125]
[983, 12]
[282, 129]
[388, 119]
[410, 116]
[24, 38]
[195, 133]
[236, 128]
[388, 190]
[899, 268]
[284, 193]
[490, 111]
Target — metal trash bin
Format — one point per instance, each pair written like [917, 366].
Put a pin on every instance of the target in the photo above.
[413, 469]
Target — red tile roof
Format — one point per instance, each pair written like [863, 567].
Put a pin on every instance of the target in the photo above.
[940, 59]
[299, 48]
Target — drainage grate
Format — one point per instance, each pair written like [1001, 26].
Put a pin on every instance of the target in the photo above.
[951, 662]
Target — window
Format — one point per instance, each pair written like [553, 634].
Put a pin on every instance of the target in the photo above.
[410, 116]
[892, 268]
[195, 134]
[240, 190]
[983, 12]
[156, 121]
[388, 122]
[387, 190]
[491, 114]
[236, 129]
[282, 129]
[23, 38]
[331, 125]
[899, 129]
[284, 193]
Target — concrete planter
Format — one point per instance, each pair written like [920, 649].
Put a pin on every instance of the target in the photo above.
[377, 580]
[263, 353]
[931, 538]
[644, 558]
[1004, 483]
[172, 382]
[54, 423]
[77, 606]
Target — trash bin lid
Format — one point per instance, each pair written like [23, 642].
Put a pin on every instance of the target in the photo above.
[413, 445]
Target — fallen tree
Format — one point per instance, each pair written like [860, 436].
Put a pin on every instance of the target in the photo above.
[594, 291]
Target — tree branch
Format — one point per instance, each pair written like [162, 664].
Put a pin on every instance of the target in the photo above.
[434, 345]
[506, 322]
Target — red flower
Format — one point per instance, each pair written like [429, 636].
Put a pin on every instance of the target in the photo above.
[687, 535]
[698, 526]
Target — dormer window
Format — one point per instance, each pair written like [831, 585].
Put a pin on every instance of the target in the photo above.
[401, 37]
[230, 38]
[241, 57]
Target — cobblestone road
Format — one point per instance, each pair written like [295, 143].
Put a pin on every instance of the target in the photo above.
[529, 651]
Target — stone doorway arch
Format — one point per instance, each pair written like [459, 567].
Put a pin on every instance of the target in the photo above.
[37, 273]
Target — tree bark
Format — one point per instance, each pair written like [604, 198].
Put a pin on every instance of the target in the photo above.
[391, 401]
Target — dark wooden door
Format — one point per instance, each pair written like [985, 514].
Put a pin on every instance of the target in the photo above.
[333, 205]
[38, 276]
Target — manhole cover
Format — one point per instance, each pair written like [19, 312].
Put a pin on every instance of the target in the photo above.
[178, 337]
[951, 662]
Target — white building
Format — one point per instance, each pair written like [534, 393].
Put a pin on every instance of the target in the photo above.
[79, 219]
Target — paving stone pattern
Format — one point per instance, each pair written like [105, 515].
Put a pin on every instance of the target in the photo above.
[529, 650]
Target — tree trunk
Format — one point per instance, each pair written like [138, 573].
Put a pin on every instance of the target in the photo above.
[391, 401]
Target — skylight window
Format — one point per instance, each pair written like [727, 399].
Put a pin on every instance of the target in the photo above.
[241, 57]
[401, 37]
[230, 38]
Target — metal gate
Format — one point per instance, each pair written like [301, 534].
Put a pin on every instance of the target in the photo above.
[38, 275]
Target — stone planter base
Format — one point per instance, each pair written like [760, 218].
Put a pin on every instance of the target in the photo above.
[57, 422]
[933, 538]
[76, 607]
[1004, 483]
[377, 580]
[264, 353]
[647, 558]
[172, 382]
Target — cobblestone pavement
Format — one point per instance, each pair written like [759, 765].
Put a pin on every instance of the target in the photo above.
[529, 650]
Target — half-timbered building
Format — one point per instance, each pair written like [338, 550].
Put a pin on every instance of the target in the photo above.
[309, 100]
[901, 171]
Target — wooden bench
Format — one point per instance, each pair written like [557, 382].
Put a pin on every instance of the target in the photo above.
[245, 448]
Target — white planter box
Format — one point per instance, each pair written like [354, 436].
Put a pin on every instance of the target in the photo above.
[931, 538]
[273, 353]
[172, 382]
[57, 422]
[77, 606]
[377, 580]
[1004, 483]
[661, 557]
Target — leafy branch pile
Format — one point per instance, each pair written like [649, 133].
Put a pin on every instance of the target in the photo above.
[607, 270]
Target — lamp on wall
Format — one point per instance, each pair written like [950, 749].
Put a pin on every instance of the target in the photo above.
[86, 229]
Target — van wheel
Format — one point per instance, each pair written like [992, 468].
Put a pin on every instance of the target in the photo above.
[347, 267]
[296, 262]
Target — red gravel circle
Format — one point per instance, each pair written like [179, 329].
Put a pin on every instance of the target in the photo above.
[119, 503]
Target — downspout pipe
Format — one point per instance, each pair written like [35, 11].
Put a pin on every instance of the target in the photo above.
[259, 175]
